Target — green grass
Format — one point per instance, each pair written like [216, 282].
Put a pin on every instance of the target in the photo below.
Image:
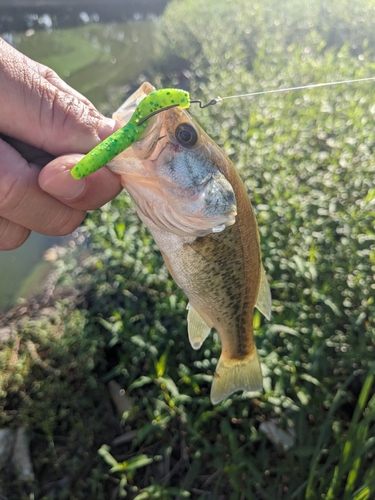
[307, 161]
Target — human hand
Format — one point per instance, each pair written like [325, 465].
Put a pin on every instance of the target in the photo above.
[43, 119]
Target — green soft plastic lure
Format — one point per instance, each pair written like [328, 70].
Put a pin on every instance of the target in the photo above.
[153, 103]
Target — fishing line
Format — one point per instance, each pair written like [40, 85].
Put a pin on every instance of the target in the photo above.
[287, 89]
[155, 103]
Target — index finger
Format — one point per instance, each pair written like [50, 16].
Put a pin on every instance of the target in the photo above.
[37, 112]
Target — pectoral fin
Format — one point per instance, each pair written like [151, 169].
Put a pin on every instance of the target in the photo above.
[198, 330]
[264, 300]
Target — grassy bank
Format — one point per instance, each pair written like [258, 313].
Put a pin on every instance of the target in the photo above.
[307, 161]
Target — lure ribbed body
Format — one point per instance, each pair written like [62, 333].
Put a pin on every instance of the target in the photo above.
[131, 132]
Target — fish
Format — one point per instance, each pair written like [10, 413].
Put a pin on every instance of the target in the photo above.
[190, 196]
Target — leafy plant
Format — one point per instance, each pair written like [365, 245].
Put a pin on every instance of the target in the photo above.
[307, 161]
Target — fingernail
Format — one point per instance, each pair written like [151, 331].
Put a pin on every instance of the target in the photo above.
[106, 128]
[62, 185]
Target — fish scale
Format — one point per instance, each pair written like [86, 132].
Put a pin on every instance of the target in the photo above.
[227, 286]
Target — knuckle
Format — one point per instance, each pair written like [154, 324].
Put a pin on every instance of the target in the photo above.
[64, 221]
[12, 191]
[47, 106]
[59, 115]
[49, 74]
[12, 235]
[65, 121]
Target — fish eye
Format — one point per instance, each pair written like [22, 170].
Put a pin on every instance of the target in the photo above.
[186, 135]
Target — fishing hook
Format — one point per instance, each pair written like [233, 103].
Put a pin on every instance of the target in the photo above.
[211, 103]
[195, 101]
[157, 112]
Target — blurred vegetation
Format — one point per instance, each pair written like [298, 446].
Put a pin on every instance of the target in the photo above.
[97, 59]
[307, 161]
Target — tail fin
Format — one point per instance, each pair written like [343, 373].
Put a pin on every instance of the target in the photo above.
[234, 375]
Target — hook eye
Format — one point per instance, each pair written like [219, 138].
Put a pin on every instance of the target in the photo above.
[211, 103]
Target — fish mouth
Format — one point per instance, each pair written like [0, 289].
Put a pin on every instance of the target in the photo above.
[198, 199]
[181, 190]
[170, 214]
[199, 210]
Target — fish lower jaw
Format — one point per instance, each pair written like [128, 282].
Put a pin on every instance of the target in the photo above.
[223, 222]
[188, 225]
[230, 220]
[219, 229]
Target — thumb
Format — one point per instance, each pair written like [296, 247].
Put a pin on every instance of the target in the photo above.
[37, 111]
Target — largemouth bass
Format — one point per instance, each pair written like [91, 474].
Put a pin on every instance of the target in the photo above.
[192, 200]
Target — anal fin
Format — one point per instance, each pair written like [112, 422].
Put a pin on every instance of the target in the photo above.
[198, 330]
[235, 375]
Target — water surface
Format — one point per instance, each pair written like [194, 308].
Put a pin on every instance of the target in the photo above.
[102, 61]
